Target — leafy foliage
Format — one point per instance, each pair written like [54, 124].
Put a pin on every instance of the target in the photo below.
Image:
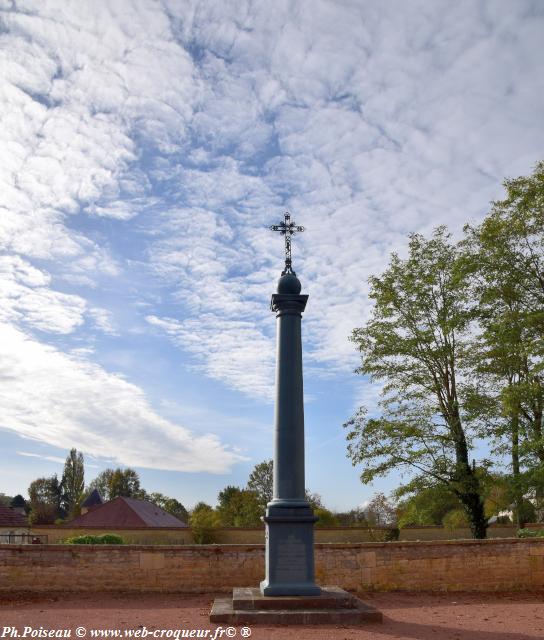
[112, 483]
[455, 519]
[505, 255]
[73, 483]
[170, 505]
[5, 500]
[261, 481]
[106, 538]
[45, 500]
[204, 521]
[426, 507]
[416, 343]
[325, 518]
[531, 533]
[18, 502]
[380, 511]
[239, 507]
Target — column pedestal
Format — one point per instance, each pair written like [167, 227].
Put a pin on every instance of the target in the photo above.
[289, 551]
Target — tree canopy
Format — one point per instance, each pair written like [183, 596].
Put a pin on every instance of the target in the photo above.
[456, 341]
[261, 481]
[72, 483]
[415, 343]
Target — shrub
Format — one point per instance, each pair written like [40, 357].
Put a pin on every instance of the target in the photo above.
[392, 535]
[107, 538]
[111, 538]
[530, 533]
[326, 518]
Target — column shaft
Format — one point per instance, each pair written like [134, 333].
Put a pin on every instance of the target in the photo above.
[289, 415]
[289, 519]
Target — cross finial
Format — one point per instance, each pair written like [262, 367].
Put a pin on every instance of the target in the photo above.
[287, 229]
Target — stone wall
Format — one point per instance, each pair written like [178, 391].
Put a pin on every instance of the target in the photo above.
[469, 565]
[131, 535]
[162, 535]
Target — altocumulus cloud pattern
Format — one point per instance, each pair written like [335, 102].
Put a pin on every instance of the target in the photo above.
[146, 147]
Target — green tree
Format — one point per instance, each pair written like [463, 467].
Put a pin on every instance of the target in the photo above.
[353, 518]
[415, 342]
[204, 521]
[499, 497]
[73, 483]
[112, 483]
[102, 484]
[45, 500]
[18, 502]
[506, 256]
[325, 518]
[170, 505]
[239, 507]
[126, 483]
[425, 507]
[261, 481]
[380, 512]
[314, 500]
[455, 519]
[4, 499]
[226, 495]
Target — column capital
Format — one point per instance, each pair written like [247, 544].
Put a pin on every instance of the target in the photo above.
[288, 303]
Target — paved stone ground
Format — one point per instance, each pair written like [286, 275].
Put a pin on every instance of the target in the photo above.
[407, 616]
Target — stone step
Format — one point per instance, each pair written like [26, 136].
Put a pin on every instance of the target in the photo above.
[334, 606]
[251, 598]
[223, 612]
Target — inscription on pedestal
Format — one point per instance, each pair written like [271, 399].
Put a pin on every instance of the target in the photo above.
[291, 560]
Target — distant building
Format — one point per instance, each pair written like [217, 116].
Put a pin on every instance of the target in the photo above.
[13, 525]
[93, 500]
[125, 512]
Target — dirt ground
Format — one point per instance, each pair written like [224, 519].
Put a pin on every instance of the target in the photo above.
[407, 616]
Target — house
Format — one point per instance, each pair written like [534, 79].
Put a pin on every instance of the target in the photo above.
[126, 512]
[13, 525]
[93, 500]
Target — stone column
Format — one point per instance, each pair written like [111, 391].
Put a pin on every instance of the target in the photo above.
[289, 518]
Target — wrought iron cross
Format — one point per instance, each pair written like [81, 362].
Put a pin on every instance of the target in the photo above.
[287, 229]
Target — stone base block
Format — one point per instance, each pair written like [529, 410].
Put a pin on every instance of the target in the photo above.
[333, 606]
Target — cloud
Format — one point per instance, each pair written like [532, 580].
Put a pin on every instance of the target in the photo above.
[234, 352]
[103, 320]
[148, 146]
[41, 457]
[70, 402]
[368, 124]
[25, 296]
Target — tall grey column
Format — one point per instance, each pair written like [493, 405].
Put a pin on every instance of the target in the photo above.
[289, 519]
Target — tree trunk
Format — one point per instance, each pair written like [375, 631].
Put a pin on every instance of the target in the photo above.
[471, 499]
[468, 484]
[516, 476]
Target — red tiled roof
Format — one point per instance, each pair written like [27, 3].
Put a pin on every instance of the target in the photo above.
[127, 512]
[11, 518]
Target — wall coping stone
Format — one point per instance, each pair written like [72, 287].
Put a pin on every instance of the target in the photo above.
[67, 525]
[217, 548]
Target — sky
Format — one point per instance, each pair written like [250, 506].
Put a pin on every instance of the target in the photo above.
[146, 147]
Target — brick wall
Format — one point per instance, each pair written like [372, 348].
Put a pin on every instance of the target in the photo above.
[486, 565]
